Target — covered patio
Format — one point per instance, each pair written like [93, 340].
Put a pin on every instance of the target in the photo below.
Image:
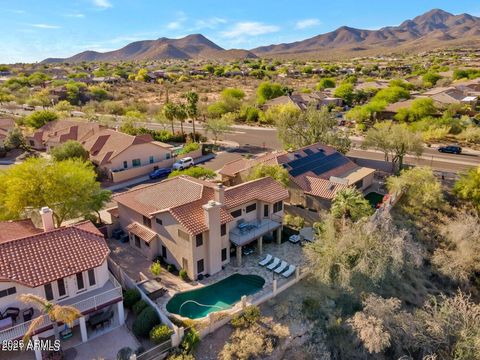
[247, 232]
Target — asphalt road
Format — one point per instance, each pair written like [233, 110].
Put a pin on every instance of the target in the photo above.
[253, 140]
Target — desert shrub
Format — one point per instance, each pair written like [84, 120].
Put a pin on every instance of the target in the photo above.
[145, 322]
[190, 340]
[131, 297]
[171, 268]
[250, 316]
[192, 146]
[156, 268]
[160, 334]
[40, 118]
[139, 306]
[183, 274]
[194, 171]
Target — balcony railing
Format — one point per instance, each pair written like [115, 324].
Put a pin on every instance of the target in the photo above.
[252, 230]
[91, 303]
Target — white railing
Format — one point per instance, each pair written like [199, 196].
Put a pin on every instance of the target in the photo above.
[93, 302]
[254, 229]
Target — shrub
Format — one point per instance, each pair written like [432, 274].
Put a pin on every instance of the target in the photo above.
[194, 171]
[190, 147]
[131, 297]
[183, 274]
[160, 334]
[171, 268]
[156, 268]
[40, 118]
[139, 306]
[250, 316]
[144, 322]
[190, 340]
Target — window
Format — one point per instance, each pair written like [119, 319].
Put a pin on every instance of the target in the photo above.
[164, 252]
[251, 208]
[137, 241]
[147, 222]
[236, 213]
[7, 292]
[125, 164]
[167, 156]
[359, 184]
[61, 288]
[151, 159]
[266, 210]
[183, 235]
[199, 239]
[224, 254]
[91, 277]
[136, 162]
[158, 221]
[223, 230]
[48, 292]
[278, 206]
[200, 266]
[80, 283]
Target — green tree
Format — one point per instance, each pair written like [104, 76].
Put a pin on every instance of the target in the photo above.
[98, 93]
[468, 187]
[218, 126]
[70, 149]
[141, 75]
[68, 187]
[419, 188]
[238, 94]
[169, 111]
[345, 92]
[39, 118]
[430, 79]
[192, 109]
[15, 139]
[350, 203]
[277, 172]
[326, 83]
[297, 129]
[267, 91]
[395, 141]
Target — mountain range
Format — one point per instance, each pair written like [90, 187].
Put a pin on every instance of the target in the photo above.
[432, 30]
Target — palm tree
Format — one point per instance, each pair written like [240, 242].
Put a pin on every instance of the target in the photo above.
[56, 313]
[169, 112]
[350, 203]
[192, 109]
[181, 115]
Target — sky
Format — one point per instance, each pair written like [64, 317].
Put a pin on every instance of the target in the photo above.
[32, 30]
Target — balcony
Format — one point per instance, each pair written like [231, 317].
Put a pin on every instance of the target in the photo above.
[87, 302]
[246, 232]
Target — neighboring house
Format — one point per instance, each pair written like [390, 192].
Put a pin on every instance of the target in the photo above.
[59, 131]
[67, 266]
[193, 224]
[392, 109]
[122, 156]
[303, 101]
[444, 96]
[5, 126]
[316, 173]
[374, 84]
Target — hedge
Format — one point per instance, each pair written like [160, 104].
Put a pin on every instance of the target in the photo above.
[145, 322]
[160, 334]
[130, 297]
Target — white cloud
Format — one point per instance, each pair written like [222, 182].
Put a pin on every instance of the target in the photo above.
[306, 23]
[75, 15]
[45, 26]
[178, 22]
[104, 4]
[249, 29]
[210, 23]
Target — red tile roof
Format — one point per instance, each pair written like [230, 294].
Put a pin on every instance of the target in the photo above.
[265, 189]
[318, 187]
[42, 258]
[62, 130]
[17, 229]
[141, 231]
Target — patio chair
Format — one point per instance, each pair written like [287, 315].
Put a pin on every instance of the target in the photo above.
[282, 267]
[274, 264]
[291, 269]
[266, 260]
[11, 312]
[27, 314]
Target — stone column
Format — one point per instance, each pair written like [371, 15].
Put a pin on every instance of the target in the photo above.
[274, 283]
[239, 255]
[279, 235]
[38, 352]
[260, 245]
[83, 329]
[121, 314]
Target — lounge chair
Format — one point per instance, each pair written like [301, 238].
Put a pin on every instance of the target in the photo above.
[274, 264]
[291, 269]
[266, 260]
[282, 267]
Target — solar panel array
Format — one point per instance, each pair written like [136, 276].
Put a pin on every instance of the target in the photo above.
[308, 151]
[318, 163]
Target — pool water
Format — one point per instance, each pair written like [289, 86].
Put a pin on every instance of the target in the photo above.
[221, 295]
[374, 199]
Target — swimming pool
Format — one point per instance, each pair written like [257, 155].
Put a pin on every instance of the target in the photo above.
[221, 295]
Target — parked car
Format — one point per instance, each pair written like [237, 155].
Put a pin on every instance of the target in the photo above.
[451, 149]
[183, 163]
[161, 172]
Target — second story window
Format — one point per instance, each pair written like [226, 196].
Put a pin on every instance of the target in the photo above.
[223, 230]
[151, 159]
[80, 282]
[147, 221]
[136, 162]
[91, 277]
[125, 164]
[48, 292]
[236, 213]
[7, 292]
[251, 208]
[278, 206]
[159, 221]
[199, 240]
[62, 291]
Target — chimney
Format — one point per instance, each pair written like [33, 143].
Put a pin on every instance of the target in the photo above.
[219, 194]
[47, 218]
[212, 213]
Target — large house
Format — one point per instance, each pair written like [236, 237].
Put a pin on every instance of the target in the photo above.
[193, 224]
[316, 173]
[122, 156]
[67, 266]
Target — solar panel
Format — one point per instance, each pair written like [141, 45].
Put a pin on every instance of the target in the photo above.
[318, 164]
[303, 165]
[308, 152]
[331, 162]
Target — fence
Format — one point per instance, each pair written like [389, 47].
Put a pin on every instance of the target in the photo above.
[157, 352]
